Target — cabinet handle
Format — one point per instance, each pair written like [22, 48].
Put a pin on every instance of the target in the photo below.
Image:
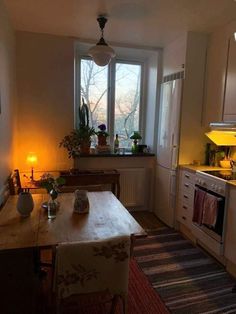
[185, 207]
[187, 176]
[183, 217]
[186, 184]
[185, 196]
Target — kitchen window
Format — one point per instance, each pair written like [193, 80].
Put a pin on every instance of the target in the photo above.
[113, 94]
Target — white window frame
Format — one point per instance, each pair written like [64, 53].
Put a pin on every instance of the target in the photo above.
[111, 91]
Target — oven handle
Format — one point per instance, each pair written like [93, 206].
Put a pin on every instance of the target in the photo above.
[209, 191]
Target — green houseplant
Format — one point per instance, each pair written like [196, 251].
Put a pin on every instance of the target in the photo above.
[135, 137]
[102, 135]
[78, 141]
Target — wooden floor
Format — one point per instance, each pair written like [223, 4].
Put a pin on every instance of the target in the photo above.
[21, 289]
[147, 220]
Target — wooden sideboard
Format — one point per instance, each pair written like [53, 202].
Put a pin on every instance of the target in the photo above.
[93, 177]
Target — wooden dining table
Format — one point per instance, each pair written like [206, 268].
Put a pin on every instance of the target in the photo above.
[107, 217]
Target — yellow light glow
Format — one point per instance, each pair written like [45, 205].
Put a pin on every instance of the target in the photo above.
[32, 159]
[222, 138]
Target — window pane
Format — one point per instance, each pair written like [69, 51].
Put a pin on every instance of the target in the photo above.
[93, 86]
[127, 101]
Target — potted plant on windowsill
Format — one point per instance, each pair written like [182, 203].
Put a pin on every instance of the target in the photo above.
[135, 137]
[79, 140]
[102, 135]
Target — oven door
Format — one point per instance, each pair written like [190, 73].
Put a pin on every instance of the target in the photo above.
[208, 218]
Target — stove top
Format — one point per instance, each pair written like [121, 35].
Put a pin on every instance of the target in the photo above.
[222, 174]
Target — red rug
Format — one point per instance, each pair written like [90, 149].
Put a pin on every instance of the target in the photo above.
[142, 298]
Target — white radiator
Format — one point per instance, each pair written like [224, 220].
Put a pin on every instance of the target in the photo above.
[133, 185]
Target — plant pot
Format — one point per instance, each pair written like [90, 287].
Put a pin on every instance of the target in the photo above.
[102, 140]
[25, 204]
[85, 147]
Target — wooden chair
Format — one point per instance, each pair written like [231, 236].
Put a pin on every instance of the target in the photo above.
[11, 186]
[14, 183]
[90, 269]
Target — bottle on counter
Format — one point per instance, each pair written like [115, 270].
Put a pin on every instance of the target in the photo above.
[116, 144]
[207, 154]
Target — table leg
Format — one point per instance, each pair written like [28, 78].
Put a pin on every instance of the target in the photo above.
[37, 263]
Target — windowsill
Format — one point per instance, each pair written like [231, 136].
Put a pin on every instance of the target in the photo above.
[118, 155]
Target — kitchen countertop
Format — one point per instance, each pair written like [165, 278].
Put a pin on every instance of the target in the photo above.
[194, 168]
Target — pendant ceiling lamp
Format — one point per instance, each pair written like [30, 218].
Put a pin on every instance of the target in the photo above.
[101, 53]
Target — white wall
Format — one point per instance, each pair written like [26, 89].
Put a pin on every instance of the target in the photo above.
[7, 95]
[150, 104]
[45, 82]
[192, 135]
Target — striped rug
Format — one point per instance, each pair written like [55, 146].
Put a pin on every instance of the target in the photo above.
[188, 280]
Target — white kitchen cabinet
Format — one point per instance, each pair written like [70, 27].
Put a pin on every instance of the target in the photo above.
[229, 111]
[185, 198]
[230, 236]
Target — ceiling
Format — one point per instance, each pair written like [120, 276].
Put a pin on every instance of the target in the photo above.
[153, 23]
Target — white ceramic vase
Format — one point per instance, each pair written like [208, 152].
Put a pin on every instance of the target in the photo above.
[25, 204]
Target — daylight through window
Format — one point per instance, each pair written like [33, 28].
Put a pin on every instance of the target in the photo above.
[113, 94]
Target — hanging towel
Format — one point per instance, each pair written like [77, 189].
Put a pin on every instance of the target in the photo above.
[210, 210]
[199, 198]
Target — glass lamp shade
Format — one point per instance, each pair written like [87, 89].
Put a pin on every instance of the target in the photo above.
[32, 159]
[101, 54]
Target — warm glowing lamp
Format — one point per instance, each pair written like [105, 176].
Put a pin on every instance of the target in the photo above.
[32, 160]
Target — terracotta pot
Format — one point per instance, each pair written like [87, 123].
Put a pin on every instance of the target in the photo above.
[102, 140]
[85, 147]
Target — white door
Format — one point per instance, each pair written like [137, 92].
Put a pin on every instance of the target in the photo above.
[165, 192]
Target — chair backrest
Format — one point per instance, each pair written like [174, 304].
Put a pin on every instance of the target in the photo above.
[88, 267]
[14, 183]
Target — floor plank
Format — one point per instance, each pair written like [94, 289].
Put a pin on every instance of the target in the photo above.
[147, 220]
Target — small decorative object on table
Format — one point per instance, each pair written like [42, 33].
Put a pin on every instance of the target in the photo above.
[81, 204]
[52, 185]
[25, 204]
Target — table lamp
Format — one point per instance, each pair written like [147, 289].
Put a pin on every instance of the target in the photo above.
[32, 160]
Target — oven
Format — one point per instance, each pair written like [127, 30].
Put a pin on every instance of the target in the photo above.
[209, 210]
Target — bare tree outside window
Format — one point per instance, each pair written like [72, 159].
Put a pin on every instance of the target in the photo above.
[94, 84]
[127, 101]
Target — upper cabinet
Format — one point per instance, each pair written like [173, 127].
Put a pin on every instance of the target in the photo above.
[229, 108]
[220, 93]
